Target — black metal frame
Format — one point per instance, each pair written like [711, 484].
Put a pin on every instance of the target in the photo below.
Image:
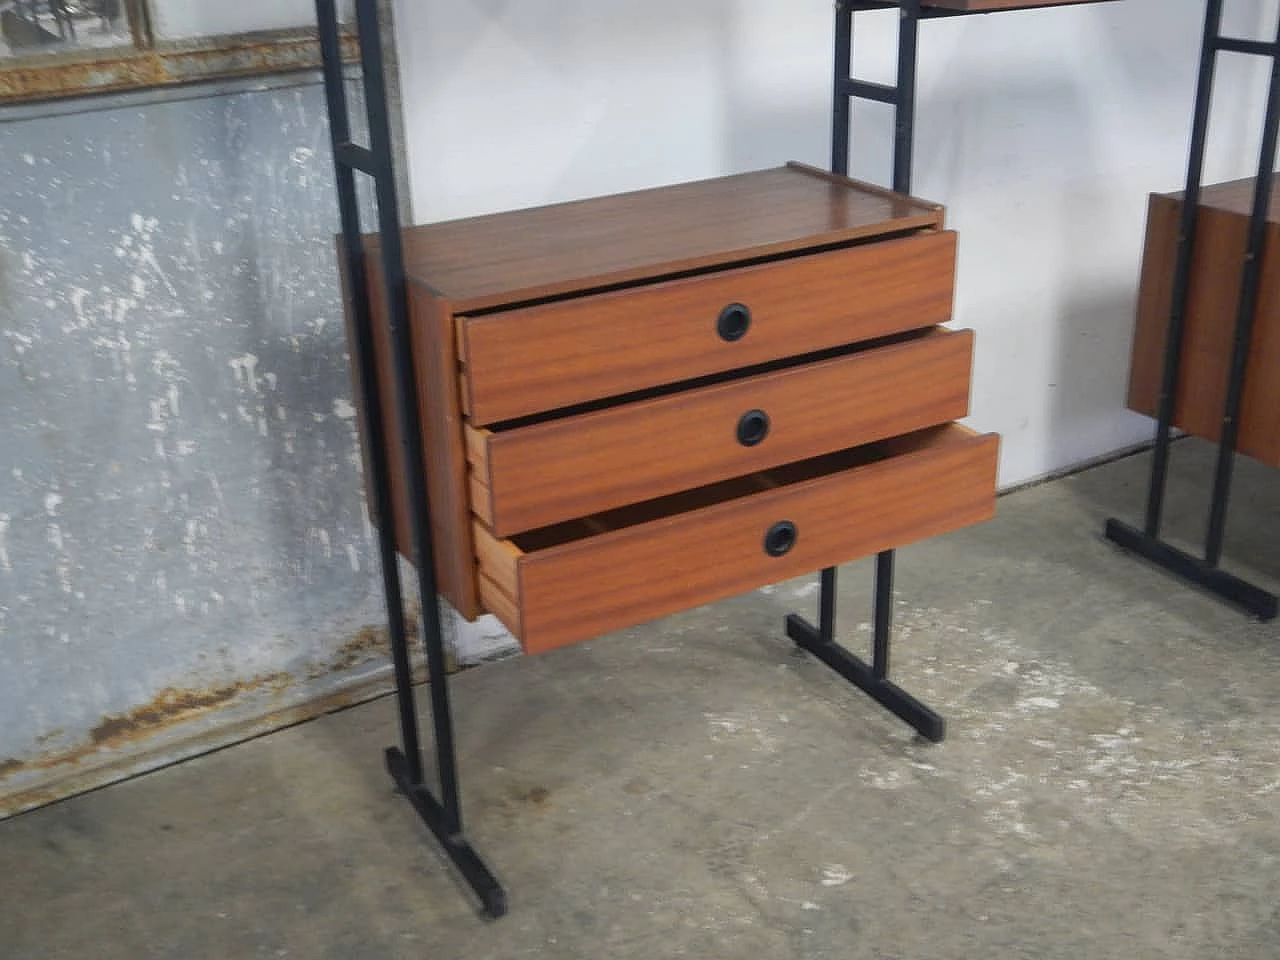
[443, 816]
[1206, 572]
[443, 813]
[901, 96]
[873, 678]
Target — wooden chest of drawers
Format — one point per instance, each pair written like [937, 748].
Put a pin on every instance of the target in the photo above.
[641, 403]
[1222, 235]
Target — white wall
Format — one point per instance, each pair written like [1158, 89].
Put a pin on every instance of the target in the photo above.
[1041, 131]
[190, 19]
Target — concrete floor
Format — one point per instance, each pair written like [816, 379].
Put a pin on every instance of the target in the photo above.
[1110, 786]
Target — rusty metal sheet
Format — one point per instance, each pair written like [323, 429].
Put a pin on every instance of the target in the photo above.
[114, 69]
[180, 723]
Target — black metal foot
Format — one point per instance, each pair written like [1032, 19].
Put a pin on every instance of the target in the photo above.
[1232, 589]
[460, 851]
[889, 695]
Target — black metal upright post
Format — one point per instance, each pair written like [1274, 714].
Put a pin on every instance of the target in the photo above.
[442, 816]
[1146, 542]
[1182, 271]
[904, 121]
[873, 679]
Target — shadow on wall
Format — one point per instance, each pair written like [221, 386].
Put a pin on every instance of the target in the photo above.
[773, 66]
[1049, 247]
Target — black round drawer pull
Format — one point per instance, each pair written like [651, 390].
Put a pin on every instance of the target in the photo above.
[780, 538]
[733, 322]
[753, 426]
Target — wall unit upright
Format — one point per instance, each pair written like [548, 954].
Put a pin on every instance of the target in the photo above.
[1227, 270]
[480, 345]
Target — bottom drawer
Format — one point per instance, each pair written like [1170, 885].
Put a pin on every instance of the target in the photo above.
[579, 579]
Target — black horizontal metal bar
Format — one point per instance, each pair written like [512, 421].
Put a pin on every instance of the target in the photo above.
[866, 90]
[1228, 587]
[889, 695]
[936, 13]
[460, 851]
[357, 158]
[1261, 48]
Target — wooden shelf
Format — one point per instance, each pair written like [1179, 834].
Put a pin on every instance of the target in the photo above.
[1208, 341]
[992, 6]
[499, 259]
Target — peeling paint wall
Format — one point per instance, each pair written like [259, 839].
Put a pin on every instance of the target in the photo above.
[183, 537]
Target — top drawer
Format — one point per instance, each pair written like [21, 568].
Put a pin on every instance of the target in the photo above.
[534, 359]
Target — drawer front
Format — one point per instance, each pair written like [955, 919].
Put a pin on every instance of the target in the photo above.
[531, 360]
[918, 487]
[539, 475]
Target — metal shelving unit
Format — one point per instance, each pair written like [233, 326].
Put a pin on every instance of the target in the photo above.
[1206, 571]
[873, 678]
[441, 808]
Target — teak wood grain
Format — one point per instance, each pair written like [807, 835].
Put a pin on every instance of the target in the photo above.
[543, 474]
[1221, 238]
[530, 360]
[522, 255]
[927, 484]
[977, 6]
[435, 365]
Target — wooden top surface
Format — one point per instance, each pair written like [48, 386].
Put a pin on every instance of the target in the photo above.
[523, 255]
[1234, 196]
[978, 6]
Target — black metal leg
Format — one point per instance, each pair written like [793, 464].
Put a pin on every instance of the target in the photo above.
[443, 817]
[1246, 310]
[904, 127]
[874, 679]
[1240, 593]
[820, 640]
[455, 845]
[1147, 542]
[1182, 270]
[889, 695]
[840, 95]
[827, 605]
[883, 615]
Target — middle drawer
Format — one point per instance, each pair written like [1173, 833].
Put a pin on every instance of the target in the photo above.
[534, 476]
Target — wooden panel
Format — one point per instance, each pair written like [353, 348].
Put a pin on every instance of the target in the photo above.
[546, 357]
[990, 6]
[522, 255]
[481, 498]
[435, 368]
[939, 480]
[478, 450]
[1235, 196]
[1155, 292]
[499, 560]
[500, 604]
[554, 471]
[446, 462]
[1215, 287]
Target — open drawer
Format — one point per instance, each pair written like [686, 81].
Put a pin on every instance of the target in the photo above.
[554, 355]
[534, 476]
[576, 580]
